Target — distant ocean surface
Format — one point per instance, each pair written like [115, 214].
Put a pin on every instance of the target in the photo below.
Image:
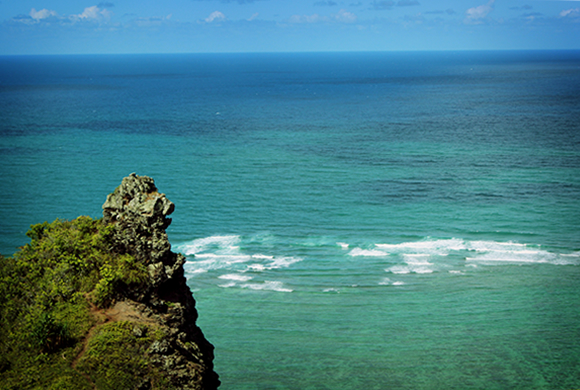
[351, 220]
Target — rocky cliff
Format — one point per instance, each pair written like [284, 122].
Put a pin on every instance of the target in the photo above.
[102, 304]
[139, 214]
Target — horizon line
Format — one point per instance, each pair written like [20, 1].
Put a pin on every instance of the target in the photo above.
[291, 52]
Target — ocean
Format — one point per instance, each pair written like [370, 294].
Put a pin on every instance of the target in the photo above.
[404, 220]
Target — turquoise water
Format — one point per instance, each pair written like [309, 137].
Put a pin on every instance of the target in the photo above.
[351, 220]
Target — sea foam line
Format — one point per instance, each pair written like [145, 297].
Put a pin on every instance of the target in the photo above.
[367, 253]
[221, 243]
[267, 285]
[223, 252]
[236, 277]
[477, 250]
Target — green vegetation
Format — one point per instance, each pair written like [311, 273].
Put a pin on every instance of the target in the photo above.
[47, 292]
[115, 356]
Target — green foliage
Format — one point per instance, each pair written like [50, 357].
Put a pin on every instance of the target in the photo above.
[46, 290]
[42, 374]
[36, 232]
[118, 274]
[74, 245]
[49, 335]
[116, 357]
[104, 289]
[65, 257]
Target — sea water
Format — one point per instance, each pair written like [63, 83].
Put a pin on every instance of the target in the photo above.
[350, 220]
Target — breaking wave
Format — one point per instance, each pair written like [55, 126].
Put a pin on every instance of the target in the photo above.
[248, 263]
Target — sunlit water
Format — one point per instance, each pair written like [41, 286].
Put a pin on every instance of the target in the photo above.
[351, 221]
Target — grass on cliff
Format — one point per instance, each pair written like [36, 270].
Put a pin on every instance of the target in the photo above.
[116, 357]
[47, 290]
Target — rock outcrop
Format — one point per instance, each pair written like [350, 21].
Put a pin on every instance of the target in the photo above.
[139, 214]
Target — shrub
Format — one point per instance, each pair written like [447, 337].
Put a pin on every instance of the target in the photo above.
[49, 335]
[44, 308]
[116, 357]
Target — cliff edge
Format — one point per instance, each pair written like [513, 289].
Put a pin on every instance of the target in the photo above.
[139, 214]
[103, 304]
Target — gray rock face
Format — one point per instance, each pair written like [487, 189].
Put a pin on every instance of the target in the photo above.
[139, 215]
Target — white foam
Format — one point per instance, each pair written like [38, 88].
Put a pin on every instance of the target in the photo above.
[262, 257]
[333, 290]
[210, 261]
[510, 257]
[213, 242]
[444, 246]
[236, 277]
[418, 263]
[429, 246]
[257, 267]
[410, 268]
[212, 253]
[568, 259]
[223, 252]
[231, 284]
[509, 252]
[367, 253]
[267, 285]
[398, 269]
[387, 282]
[416, 259]
[275, 263]
[485, 246]
[283, 262]
[195, 270]
[477, 250]
[229, 259]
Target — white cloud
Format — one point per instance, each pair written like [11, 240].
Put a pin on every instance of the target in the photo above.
[570, 13]
[42, 14]
[345, 16]
[254, 16]
[215, 16]
[476, 15]
[93, 13]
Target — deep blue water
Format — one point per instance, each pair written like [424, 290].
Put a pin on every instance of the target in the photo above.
[351, 220]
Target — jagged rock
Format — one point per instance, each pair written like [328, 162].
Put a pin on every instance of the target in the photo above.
[159, 347]
[139, 215]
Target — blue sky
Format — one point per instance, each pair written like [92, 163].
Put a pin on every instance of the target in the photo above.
[186, 26]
